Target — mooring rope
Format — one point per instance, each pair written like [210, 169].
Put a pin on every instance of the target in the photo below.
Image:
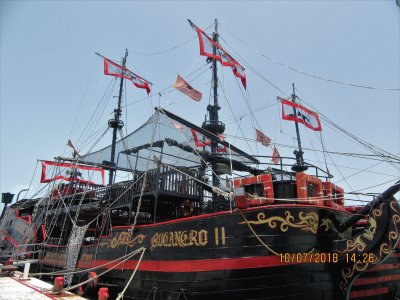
[97, 276]
[121, 295]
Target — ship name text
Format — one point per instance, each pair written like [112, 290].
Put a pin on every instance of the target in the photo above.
[185, 238]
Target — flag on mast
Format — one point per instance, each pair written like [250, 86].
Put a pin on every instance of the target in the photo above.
[113, 69]
[73, 148]
[185, 88]
[53, 171]
[275, 156]
[206, 49]
[262, 138]
[303, 115]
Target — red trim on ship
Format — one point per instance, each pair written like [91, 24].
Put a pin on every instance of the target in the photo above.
[228, 213]
[8, 237]
[26, 219]
[372, 280]
[385, 266]
[201, 265]
[368, 293]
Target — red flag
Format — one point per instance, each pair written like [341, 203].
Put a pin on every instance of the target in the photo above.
[275, 156]
[184, 87]
[262, 138]
[113, 69]
[237, 68]
[206, 49]
[303, 115]
[73, 148]
[64, 171]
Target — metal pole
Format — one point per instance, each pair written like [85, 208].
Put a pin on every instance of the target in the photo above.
[116, 123]
[214, 109]
[23, 190]
[298, 153]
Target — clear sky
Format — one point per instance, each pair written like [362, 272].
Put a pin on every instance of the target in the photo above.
[51, 80]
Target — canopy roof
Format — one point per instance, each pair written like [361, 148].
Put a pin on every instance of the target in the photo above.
[167, 138]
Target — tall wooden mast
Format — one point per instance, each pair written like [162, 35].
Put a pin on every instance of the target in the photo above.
[299, 166]
[116, 123]
[214, 125]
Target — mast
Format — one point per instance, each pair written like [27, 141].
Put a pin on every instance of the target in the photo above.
[116, 123]
[215, 108]
[214, 125]
[299, 166]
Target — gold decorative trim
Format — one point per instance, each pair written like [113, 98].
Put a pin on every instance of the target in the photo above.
[384, 250]
[306, 221]
[126, 238]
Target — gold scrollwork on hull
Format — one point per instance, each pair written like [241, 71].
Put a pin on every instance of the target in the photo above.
[385, 249]
[305, 222]
[359, 243]
[126, 238]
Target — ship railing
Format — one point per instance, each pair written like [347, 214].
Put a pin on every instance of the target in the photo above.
[288, 162]
[180, 182]
[164, 179]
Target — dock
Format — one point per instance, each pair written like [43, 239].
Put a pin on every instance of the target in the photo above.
[14, 286]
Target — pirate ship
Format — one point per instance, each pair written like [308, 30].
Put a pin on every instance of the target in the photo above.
[279, 231]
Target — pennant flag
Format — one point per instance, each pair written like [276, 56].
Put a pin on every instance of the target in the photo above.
[73, 148]
[178, 126]
[185, 88]
[303, 115]
[52, 171]
[207, 142]
[207, 49]
[275, 156]
[113, 69]
[262, 138]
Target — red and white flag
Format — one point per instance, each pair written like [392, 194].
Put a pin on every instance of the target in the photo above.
[275, 156]
[113, 69]
[303, 115]
[185, 88]
[262, 138]
[237, 68]
[73, 148]
[52, 171]
[207, 49]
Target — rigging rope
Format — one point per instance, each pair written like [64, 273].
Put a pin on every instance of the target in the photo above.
[309, 74]
[256, 235]
[166, 50]
[105, 97]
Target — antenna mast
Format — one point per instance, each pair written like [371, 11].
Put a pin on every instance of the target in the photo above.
[116, 123]
[299, 166]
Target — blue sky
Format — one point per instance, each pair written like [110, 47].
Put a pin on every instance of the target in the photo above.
[51, 80]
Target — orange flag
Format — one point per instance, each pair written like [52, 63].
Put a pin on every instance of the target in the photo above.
[275, 156]
[262, 138]
[184, 87]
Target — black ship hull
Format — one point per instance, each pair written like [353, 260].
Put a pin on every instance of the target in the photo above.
[269, 252]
